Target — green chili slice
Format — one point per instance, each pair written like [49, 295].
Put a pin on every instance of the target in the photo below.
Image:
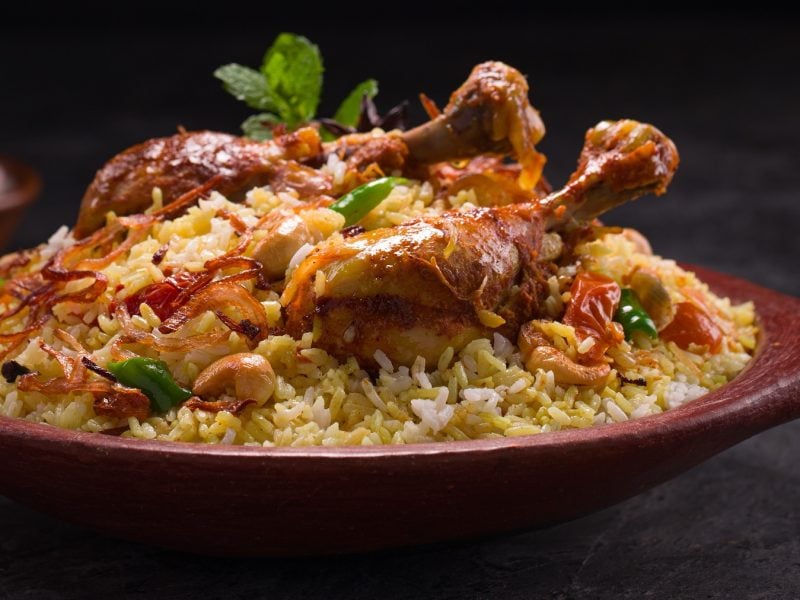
[355, 205]
[633, 317]
[153, 378]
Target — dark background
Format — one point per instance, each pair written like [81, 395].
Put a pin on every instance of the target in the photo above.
[725, 87]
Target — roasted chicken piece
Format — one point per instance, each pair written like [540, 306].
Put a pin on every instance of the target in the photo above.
[432, 283]
[185, 161]
[490, 112]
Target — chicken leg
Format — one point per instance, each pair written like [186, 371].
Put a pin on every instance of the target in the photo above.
[431, 283]
[490, 112]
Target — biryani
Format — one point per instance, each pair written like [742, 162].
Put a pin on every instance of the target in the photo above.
[375, 287]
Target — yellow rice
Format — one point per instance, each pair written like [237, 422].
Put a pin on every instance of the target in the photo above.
[483, 391]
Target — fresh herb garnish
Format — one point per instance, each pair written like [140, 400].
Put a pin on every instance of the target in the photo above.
[286, 91]
[293, 72]
[350, 109]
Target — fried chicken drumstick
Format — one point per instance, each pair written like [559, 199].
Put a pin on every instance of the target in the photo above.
[490, 112]
[431, 283]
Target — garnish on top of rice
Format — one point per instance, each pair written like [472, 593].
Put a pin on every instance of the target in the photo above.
[382, 287]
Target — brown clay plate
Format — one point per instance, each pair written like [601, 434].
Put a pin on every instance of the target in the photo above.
[301, 501]
[19, 187]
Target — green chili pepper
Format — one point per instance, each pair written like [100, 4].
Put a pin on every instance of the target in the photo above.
[633, 317]
[153, 378]
[356, 204]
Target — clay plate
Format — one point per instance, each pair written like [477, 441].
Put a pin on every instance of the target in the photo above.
[19, 187]
[301, 501]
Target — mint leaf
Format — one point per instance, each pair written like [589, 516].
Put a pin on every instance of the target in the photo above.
[259, 127]
[246, 84]
[293, 71]
[287, 90]
[349, 110]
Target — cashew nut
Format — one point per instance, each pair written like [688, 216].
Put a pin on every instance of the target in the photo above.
[287, 232]
[276, 250]
[246, 375]
[653, 296]
[538, 353]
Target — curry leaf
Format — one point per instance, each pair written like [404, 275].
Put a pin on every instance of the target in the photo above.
[293, 71]
[349, 111]
[246, 84]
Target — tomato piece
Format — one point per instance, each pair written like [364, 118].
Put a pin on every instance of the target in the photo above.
[594, 300]
[693, 325]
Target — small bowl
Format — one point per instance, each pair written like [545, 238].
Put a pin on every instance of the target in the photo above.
[19, 187]
[226, 500]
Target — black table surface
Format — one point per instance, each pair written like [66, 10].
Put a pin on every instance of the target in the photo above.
[726, 91]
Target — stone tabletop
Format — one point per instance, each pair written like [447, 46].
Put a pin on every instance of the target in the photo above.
[727, 92]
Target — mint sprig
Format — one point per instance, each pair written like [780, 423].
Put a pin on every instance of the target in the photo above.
[293, 71]
[247, 85]
[287, 88]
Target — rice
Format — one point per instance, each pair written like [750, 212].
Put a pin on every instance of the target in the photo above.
[680, 392]
[481, 391]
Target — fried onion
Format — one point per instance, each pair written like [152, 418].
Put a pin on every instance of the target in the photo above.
[220, 296]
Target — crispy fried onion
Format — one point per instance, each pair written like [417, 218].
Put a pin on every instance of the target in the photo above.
[84, 296]
[110, 398]
[133, 335]
[12, 340]
[68, 265]
[40, 291]
[223, 296]
[13, 261]
[28, 290]
[233, 406]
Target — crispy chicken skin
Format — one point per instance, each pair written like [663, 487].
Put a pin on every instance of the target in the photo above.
[182, 162]
[432, 283]
[175, 164]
